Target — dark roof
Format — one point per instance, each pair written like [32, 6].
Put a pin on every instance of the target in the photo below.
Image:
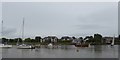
[53, 37]
[64, 37]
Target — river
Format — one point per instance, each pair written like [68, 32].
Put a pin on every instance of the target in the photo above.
[69, 51]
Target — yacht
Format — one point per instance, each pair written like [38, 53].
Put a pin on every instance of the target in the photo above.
[4, 45]
[24, 46]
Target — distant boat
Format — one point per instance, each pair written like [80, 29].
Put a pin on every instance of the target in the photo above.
[112, 44]
[24, 46]
[50, 45]
[4, 45]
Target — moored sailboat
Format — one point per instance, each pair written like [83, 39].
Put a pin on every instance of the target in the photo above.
[113, 40]
[4, 45]
[24, 46]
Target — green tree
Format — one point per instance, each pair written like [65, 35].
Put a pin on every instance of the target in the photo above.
[27, 40]
[97, 38]
[38, 39]
[81, 39]
[90, 39]
[4, 40]
[73, 37]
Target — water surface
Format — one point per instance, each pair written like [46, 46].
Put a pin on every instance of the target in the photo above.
[99, 51]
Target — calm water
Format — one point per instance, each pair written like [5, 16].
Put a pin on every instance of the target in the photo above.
[101, 51]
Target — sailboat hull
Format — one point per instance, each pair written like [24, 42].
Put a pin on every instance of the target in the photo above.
[26, 47]
[5, 46]
[113, 41]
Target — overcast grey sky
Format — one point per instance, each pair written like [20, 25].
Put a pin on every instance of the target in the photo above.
[60, 19]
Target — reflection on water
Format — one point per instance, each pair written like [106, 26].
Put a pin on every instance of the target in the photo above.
[0, 53]
[98, 49]
[70, 51]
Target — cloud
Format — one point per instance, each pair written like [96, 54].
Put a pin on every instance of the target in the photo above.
[61, 18]
[9, 32]
[90, 26]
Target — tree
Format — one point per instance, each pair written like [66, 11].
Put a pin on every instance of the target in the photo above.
[90, 39]
[73, 37]
[11, 40]
[97, 38]
[81, 40]
[27, 40]
[20, 40]
[4, 40]
[119, 37]
[38, 38]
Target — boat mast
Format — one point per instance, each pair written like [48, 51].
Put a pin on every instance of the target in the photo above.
[23, 30]
[1, 29]
[113, 40]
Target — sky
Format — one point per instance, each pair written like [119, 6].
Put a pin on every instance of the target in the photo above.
[60, 18]
[59, 0]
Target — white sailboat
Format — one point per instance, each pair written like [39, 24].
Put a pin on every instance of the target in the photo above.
[113, 41]
[50, 45]
[24, 46]
[4, 45]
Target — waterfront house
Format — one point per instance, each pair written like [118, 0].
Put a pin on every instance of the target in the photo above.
[66, 38]
[79, 40]
[107, 40]
[50, 39]
[76, 41]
